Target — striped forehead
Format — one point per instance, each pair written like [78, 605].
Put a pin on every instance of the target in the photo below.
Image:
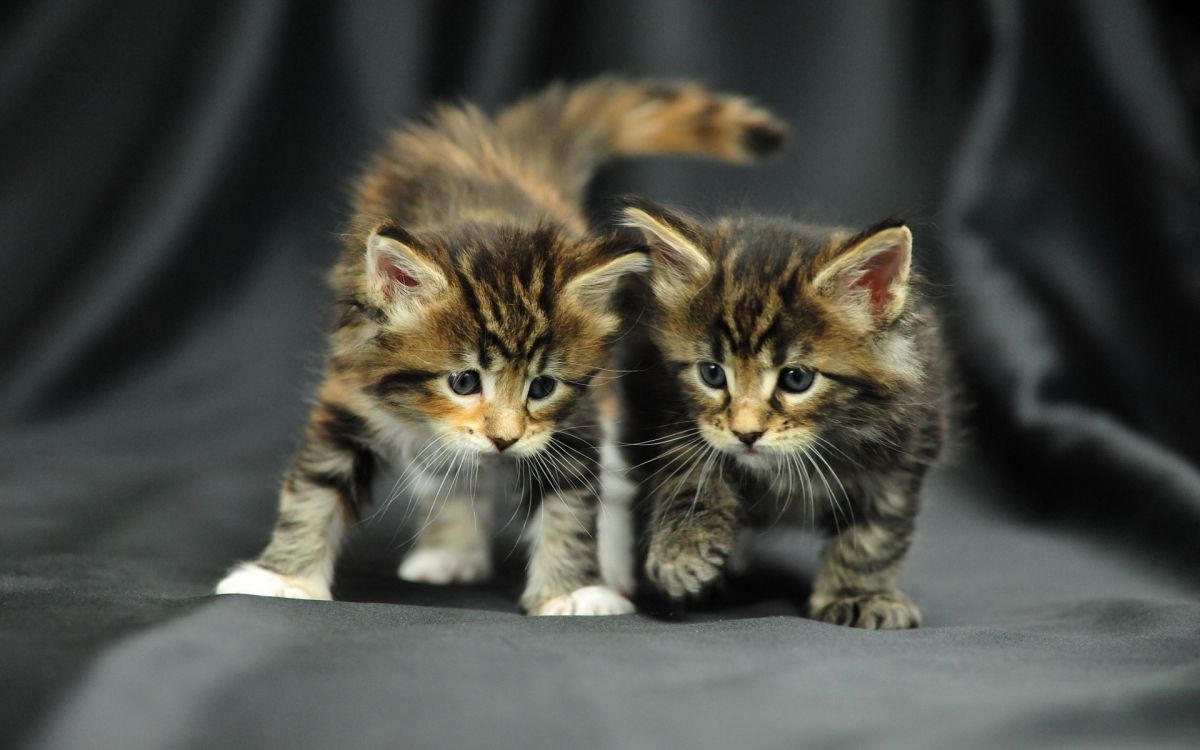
[760, 312]
[510, 302]
[749, 328]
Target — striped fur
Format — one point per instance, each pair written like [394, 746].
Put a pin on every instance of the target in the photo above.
[758, 297]
[469, 265]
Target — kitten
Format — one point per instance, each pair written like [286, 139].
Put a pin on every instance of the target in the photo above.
[474, 311]
[782, 370]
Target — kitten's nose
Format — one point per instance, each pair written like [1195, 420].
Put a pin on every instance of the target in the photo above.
[748, 437]
[501, 443]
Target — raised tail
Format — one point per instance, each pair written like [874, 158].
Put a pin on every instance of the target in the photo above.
[572, 130]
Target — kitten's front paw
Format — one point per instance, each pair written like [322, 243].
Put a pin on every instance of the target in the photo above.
[688, 562]
[872, 610]
[443, 565]
[251, 579]
[589, 600]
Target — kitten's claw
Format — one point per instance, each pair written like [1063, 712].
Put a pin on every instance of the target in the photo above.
[443, 565]
[685, 568]
[589, 600]
[254, 580]
[874, 610]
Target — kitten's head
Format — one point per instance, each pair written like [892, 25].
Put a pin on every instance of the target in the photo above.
[783, 338]
[489, 336]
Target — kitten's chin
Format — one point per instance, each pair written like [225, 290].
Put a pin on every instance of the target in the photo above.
[757, 460]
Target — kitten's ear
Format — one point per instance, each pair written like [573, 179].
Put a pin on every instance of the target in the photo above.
[400, 276]
[595, 287]
[869, 271]
[680, 264]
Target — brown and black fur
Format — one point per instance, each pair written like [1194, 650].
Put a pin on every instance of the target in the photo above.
[469, 249]
[757, 295]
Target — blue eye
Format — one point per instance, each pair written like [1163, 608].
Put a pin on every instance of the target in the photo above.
[465, 383]
[712, 374]
[542, 386]
[796, 379]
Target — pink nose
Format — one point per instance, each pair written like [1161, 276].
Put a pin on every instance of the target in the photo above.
[501, 443]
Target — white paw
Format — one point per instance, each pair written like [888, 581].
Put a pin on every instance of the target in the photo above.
[442, 565]
[251, 579]
[589, 600]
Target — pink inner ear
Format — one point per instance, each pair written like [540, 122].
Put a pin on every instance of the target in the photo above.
[879, 273]
[401, 277]
[396, 274]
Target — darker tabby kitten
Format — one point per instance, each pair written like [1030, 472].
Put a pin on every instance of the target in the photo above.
[474, 311]
[783, 370]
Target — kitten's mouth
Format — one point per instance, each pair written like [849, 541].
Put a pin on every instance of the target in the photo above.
[751, 455]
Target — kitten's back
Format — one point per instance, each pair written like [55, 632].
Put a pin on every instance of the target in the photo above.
[533, 161]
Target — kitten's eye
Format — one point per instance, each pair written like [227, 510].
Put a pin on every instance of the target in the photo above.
[796, 380]
[542, 386]
[465, 383]
[712, 374]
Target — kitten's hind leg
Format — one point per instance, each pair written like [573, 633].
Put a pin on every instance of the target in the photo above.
[857, 582]
[614, 526]
[323, 490]
[453, 545]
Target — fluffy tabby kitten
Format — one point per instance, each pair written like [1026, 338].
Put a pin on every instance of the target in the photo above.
[783, 371]
[474, 310]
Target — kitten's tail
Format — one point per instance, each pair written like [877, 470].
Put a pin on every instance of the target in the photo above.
[575, 129]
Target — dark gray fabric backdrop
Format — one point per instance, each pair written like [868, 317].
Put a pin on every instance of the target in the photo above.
[172, 177]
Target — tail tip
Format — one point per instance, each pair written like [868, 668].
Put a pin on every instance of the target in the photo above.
[761, 139]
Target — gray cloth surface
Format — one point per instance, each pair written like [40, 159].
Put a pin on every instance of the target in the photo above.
[1032, 638]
